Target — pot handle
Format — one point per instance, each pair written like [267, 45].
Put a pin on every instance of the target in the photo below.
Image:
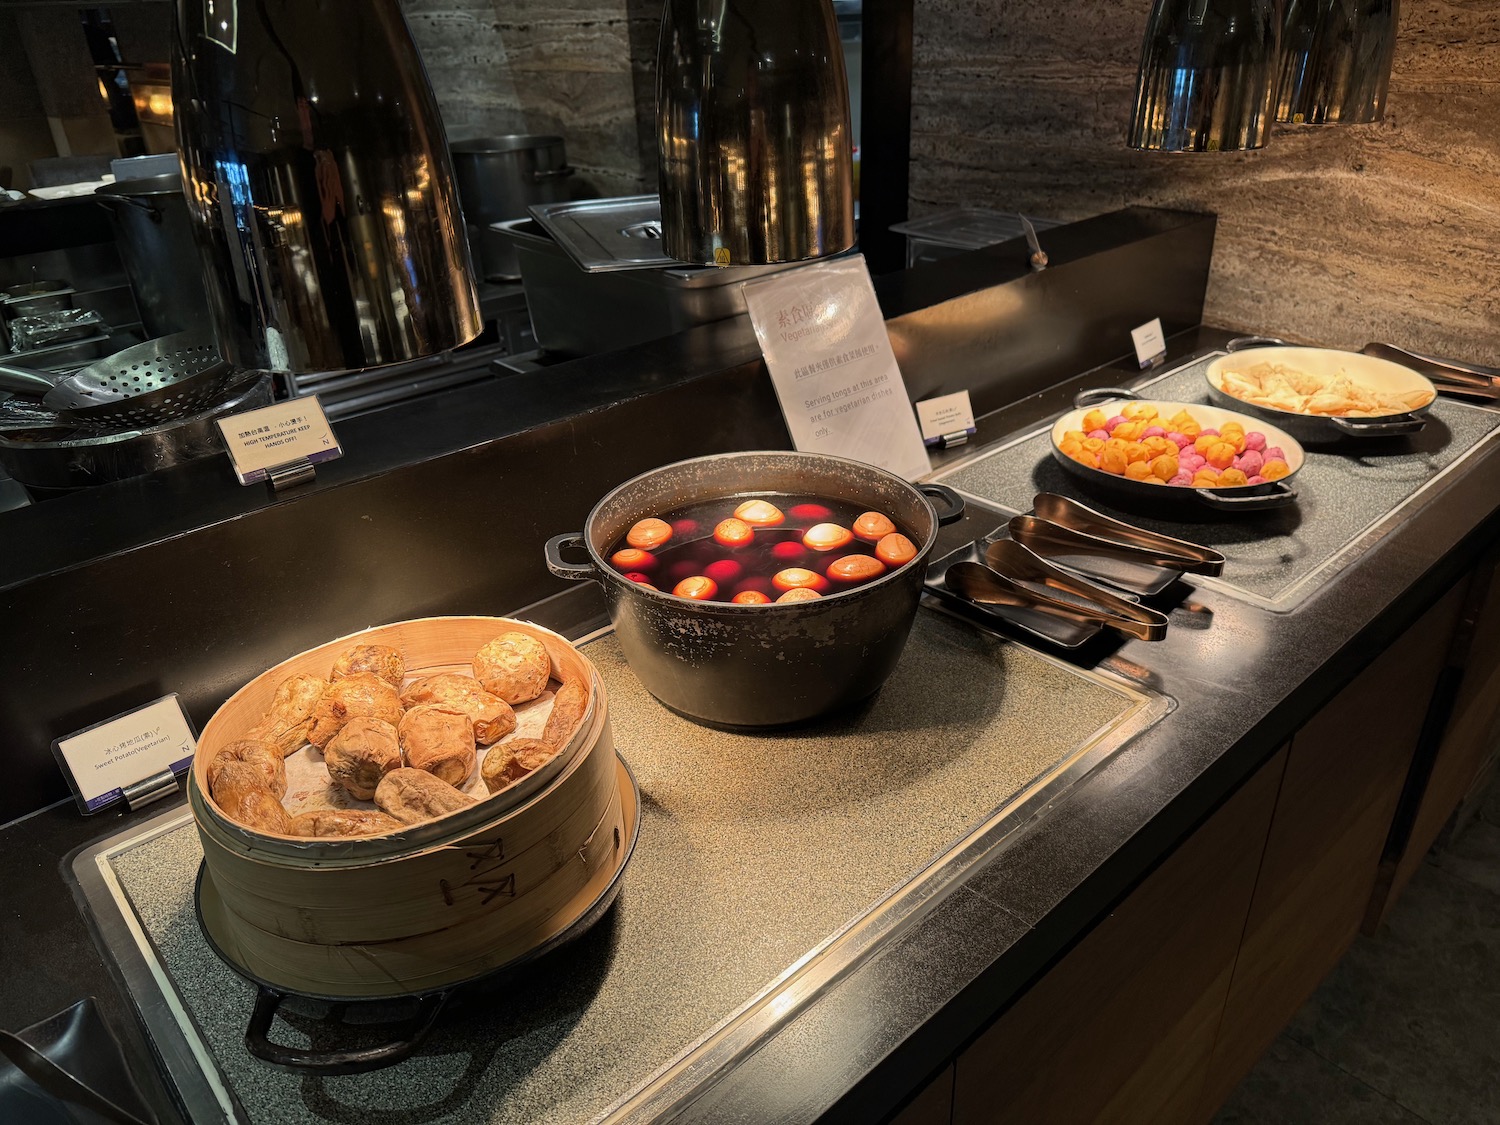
[1360, 427]
[358, 1061]
[1241, 343]
[25, 381]
[130, 201]
[1100, 394]
[1281, 495]
[553, 173]
[952, 509]
[574, 572]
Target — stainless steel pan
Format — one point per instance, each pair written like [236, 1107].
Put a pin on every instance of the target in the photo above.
[61, 454]
[1378, 374]
[1178, 499]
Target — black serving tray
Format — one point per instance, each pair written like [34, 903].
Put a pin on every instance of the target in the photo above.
[1131, 580]
[1031, 625]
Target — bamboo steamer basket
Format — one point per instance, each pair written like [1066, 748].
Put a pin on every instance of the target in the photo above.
[436, 904]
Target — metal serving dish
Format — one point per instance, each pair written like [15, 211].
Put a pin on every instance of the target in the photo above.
[1378, 375]
[498, 178]
[1133, 493]
[66, 456]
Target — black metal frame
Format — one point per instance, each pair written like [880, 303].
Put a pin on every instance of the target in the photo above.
[885, 131]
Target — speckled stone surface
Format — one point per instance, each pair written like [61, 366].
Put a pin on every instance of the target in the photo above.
[753, 849]
[1332, 235]
[1342, 492]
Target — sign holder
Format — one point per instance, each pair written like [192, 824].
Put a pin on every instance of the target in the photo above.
[281, 443]
[1150, 344]
[300, 471]
[135, 757]
[947, 420]
[150, 789]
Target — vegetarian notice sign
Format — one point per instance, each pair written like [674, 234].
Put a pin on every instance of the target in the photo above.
[101, 761]
[823, 336]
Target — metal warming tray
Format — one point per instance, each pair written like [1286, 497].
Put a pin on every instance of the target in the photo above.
[614, 287]
[757, 881]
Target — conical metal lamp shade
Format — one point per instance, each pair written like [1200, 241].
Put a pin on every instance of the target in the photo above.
[1336, 61]
[756, 152]
[1207, 78]
[316, 169]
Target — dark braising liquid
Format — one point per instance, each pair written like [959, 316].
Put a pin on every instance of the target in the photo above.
[772, 561]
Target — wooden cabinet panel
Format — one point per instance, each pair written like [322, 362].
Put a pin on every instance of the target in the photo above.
[1121, 1028]
[1470, 740]
[932, 1106]
[1343, 776]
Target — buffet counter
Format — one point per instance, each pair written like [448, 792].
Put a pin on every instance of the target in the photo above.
[896, 906]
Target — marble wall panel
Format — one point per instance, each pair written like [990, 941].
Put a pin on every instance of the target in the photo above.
[571, 67]
[1335, 235]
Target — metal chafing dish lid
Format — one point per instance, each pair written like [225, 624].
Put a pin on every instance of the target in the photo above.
[603, 235]
[970, 228]
[624, 233]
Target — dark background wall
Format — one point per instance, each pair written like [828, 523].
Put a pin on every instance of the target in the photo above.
[24, 135]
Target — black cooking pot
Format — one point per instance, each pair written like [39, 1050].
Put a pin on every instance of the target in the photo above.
[760, 665]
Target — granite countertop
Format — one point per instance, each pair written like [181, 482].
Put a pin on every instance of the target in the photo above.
[1243, 676]
[762, 862]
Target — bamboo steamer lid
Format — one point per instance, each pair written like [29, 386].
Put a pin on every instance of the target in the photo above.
[435, 904]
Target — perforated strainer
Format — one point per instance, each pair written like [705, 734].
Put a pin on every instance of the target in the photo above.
[148, 383]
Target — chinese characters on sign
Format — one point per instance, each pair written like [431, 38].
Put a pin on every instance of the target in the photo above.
[101, 761]
[263, 439]
[271, 437]
[825, 344]
[834, 361]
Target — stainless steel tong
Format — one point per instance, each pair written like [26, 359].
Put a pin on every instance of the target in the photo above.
[1015, 584]
[1063, 526]
[1468, 380]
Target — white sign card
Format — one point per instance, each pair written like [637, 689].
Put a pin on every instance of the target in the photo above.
[823, 336]
[946, 417]
[262, 439]
[101, 761]
[1150, 343]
